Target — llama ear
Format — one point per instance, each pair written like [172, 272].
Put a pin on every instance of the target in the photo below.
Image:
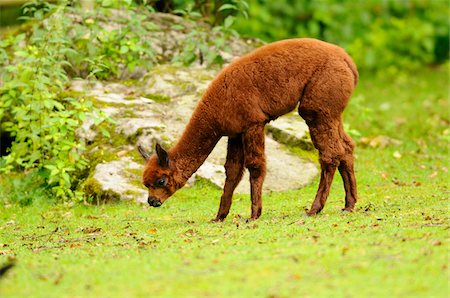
[144, 153]
[163, 156]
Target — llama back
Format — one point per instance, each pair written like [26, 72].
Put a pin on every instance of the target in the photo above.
[268, 82]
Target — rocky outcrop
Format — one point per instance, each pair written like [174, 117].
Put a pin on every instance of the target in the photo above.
[156, 109]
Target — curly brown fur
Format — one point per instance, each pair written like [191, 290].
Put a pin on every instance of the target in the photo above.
[269, 82]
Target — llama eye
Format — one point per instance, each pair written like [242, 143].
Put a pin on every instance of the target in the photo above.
[161, 182]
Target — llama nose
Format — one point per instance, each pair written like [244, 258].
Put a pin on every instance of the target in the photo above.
[153, 202]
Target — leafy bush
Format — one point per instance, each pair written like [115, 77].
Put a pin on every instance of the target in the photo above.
[105, 49]
[379, 34]
[34, 108]
[203, 42]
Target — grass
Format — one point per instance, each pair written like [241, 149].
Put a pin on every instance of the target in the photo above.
[395, 244]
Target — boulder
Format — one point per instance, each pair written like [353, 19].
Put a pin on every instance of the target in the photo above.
[141, 120]
[156, 107]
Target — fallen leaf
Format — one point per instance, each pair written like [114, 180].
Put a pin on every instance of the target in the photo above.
[433, 175]
[58, 278]
[91, 230]
[436, 243]
[152, 230]
[397, 155]
[300, 222]
[379, 142]
[345, 250]
[398, 182]
[122, 153]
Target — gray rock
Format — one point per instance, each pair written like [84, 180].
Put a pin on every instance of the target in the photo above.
[118, 178]
[291, 130]
[284, 170]
[141, 120]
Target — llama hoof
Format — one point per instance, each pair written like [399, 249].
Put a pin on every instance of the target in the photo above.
[249, 220]
[347, 210]
[217, 219]
[311, 213]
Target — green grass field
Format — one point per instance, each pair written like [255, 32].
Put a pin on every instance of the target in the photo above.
[395, 244]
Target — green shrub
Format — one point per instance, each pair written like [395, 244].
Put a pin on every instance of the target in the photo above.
[399, 35]
[104, 49]
[34, 109]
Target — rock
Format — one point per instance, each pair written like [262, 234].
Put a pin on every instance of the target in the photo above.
[116, 180]
[291, 130]
[284, 170]
[156, 108]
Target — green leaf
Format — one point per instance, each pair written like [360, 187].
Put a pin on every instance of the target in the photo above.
[105, 133]
[124, 49]
[228, 21]
[228, 6]
[107, 3]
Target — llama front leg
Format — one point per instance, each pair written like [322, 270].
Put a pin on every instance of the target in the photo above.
[255, 162]
[234, 168]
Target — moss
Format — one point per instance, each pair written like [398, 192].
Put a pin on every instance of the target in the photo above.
[136, 157]
[104, 104]
[312, 155]
[127, 113]
[94, 192]
[205, 77]
[159, 98]
[128, 82]
[135, 173]
[131, 193]
[99, 154]
[73, 94]
[279, 135]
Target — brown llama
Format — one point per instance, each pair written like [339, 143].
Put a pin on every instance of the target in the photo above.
[259, 87]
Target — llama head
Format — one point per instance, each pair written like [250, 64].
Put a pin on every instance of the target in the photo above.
[158, 176]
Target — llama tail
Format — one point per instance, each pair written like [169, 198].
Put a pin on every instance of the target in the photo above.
[352, 67]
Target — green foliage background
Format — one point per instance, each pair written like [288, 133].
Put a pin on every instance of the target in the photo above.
[381, 35]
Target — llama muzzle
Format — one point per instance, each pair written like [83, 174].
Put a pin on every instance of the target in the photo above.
[154, 202]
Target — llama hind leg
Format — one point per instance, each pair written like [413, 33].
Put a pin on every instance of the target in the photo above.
[255, 162]
[347, 172]
[325, 137]
[234, 168]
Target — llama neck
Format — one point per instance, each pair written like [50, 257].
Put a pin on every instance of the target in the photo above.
[196, 143]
